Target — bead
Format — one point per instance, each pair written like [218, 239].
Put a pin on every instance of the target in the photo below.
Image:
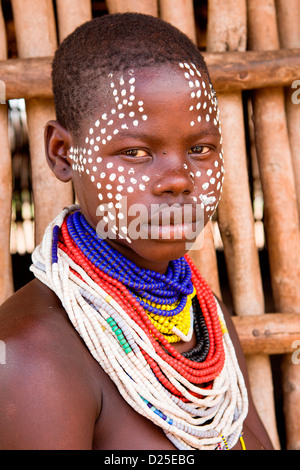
[182, 393]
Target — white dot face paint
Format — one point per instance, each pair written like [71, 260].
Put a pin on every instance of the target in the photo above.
[203, 91]
[127, 109]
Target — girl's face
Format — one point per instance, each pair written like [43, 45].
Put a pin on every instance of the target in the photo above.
[148, 170]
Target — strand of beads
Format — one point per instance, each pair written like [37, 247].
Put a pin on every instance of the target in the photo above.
[200, 351]
[193, 371]
[163, 289]
[160, 295]
[192, 417]
[157, 413]
[177, 327]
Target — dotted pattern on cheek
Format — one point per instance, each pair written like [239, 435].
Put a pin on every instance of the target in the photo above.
[212, 186]
[203, 96]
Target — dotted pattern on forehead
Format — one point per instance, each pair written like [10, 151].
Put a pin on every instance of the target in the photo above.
[198, 89]
[123, 95]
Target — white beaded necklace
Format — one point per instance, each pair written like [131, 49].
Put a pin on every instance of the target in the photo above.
[213, 421]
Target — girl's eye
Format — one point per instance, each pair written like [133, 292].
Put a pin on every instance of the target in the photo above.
[199, 149]
[136, 153]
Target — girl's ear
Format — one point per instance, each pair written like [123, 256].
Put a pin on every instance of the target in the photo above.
[58, 142]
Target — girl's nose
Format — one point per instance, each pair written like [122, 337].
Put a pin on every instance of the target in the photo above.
[175, 181]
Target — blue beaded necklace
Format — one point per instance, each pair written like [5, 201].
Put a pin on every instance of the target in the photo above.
[162, 289]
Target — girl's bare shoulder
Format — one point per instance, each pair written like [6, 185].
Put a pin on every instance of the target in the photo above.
[50, 391]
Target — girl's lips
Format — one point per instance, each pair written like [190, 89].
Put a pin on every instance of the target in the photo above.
[173, 222]
[184, 231]
[174, 214]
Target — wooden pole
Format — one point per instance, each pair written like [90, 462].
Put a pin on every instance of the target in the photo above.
[3, 44]
[288, 18]
[227, 26]
[35, 19]
[227, 30]
[229, 71]
[270, 333]
[291, 394]
[277, 177]
[180, 14]
[6, 277]
[276, 170]
[235, 213]
[70, 14]
[148, 7]
[233, 71]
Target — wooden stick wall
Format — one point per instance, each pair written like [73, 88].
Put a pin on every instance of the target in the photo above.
[227, 29]
[36, 20]
[30, 78]
[251, 45]
[278, 179]
[289, 36]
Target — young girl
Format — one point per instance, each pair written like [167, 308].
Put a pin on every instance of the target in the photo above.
[119, 343]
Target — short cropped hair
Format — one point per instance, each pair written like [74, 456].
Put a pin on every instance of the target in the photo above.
[108, 44]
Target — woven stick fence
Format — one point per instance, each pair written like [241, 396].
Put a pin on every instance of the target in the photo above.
[250, 45]
[227, 29]
[36, 20]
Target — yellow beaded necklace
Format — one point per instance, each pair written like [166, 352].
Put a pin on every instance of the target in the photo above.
[166, 324]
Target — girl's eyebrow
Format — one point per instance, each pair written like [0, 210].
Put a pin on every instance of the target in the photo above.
[204, 132]
[143, 136]
[132, 135]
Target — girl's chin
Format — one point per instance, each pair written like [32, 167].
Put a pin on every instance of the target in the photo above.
[151, 254]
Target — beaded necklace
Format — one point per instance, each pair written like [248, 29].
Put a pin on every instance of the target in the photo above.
[198, 398]
[166, 298]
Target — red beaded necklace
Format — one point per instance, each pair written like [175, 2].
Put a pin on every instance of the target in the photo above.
[195, 372]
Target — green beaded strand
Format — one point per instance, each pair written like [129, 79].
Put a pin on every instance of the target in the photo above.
[119, 334]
